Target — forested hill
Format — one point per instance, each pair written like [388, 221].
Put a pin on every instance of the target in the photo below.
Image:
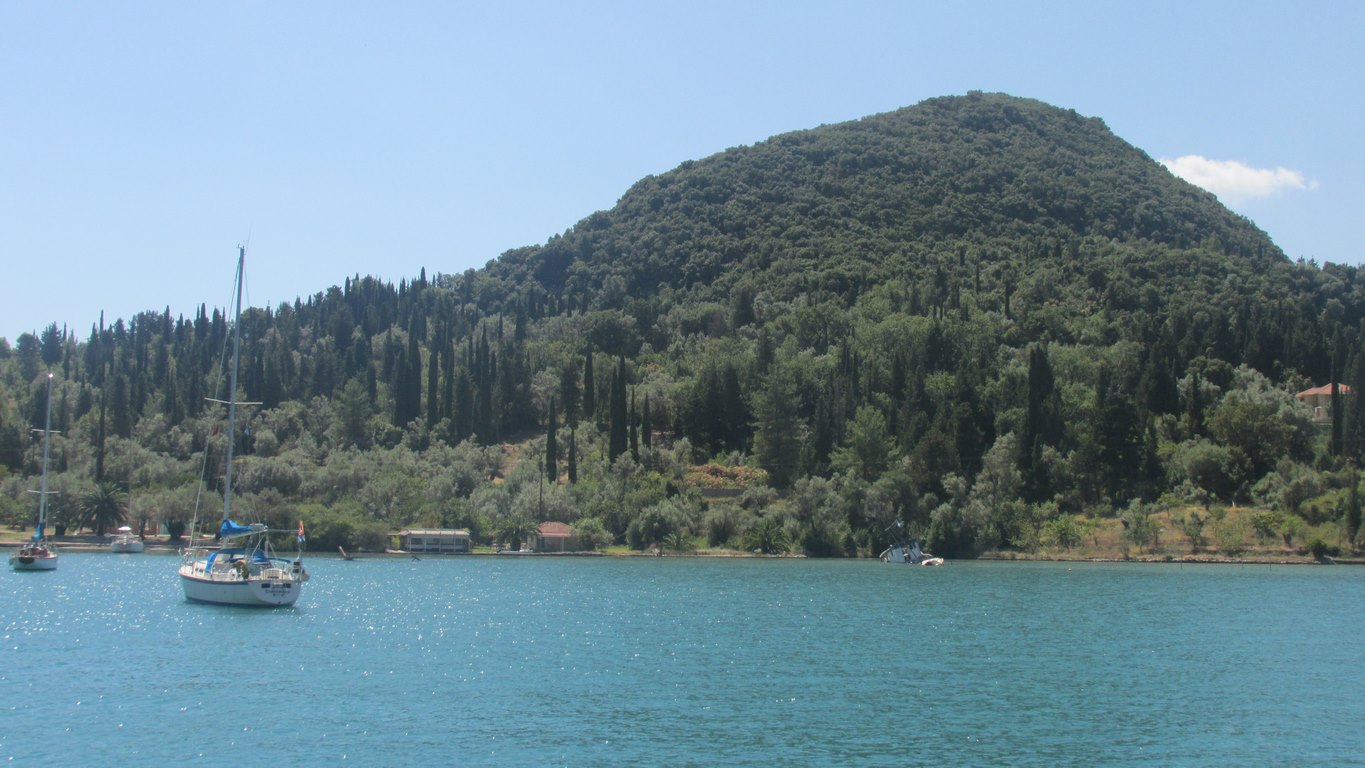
[983, 316]
[848, 206]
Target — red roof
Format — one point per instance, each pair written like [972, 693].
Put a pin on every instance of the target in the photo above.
[1325, 389]
[555, 530]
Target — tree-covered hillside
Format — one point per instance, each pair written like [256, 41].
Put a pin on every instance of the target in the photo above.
[846, 207]
[984, 316]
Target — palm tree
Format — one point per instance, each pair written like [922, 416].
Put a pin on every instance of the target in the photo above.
[513, 530]
[677, 540]
[103, 508]
[767, 536]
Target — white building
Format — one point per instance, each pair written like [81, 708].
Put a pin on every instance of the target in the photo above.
[434, 541]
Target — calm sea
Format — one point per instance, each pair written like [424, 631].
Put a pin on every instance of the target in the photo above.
[675, 661]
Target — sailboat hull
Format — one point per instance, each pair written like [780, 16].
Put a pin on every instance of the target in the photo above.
[23, 562]
[126, 545]
[274, 587]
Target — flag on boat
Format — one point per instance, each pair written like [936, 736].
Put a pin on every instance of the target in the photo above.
[302, 538]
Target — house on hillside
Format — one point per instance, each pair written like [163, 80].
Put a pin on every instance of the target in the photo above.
[1320, 400]
[554, 537]
[434, 541]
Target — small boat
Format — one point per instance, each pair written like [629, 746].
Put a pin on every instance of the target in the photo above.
[243, 568]
[907, 551]
[38, 554]
[126, 541]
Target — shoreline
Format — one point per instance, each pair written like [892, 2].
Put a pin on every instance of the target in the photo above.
[92, 544]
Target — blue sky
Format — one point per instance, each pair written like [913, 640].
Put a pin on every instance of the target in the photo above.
[141, 141]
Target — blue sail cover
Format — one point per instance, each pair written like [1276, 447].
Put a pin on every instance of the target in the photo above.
[229, 528]
[228, 553]
[255, 555]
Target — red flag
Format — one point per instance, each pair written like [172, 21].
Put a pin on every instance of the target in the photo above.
[214, 433]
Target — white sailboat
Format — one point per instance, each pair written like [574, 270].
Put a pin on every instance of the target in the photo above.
[242, 569]
[38, 554]
[126, 541]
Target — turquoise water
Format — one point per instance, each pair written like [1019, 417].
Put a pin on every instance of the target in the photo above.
[674, 661]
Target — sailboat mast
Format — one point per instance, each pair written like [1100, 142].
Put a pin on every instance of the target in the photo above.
[232, 391]
[47, 445]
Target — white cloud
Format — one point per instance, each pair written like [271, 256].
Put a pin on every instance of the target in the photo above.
[1233, 181]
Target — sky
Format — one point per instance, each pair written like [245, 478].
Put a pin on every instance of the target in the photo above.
[141, 142]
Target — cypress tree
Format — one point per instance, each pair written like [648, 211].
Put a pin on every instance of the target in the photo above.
[569, 394]
[433, 385]
[646, 426]
[551, 446]
[618, 429]
[414, 377]
[1338, 407]
[121, 417]
[99, 441]
[1042, 422]
[573, 458]
[1194, 407]
[589, 386]
[1353, 509]
[448, 379]
[634, 429]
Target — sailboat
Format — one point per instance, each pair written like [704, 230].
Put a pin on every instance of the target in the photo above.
[243, 569]
[125, 541]
[37, 554]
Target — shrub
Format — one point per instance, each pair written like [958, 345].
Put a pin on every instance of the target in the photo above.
[1063, 531]
[1318, 548]
[1231, 536]
[1192, 525]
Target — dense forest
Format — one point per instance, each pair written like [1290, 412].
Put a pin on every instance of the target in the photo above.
[983, 316]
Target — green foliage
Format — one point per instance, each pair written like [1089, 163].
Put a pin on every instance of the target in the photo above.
[724, 523]
[869, 449]
[1266, 524]
[1351, 511]
[1215, 471]
[1231, 535]
[1263, 422]
[980, 314]
[513, 531]
[767, 536]
[1192, 525]
[1065, 531]
[343, 525]
[591, 533]
[1291, 527]
[103, 508]
[658, 524]
[1140, 528]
